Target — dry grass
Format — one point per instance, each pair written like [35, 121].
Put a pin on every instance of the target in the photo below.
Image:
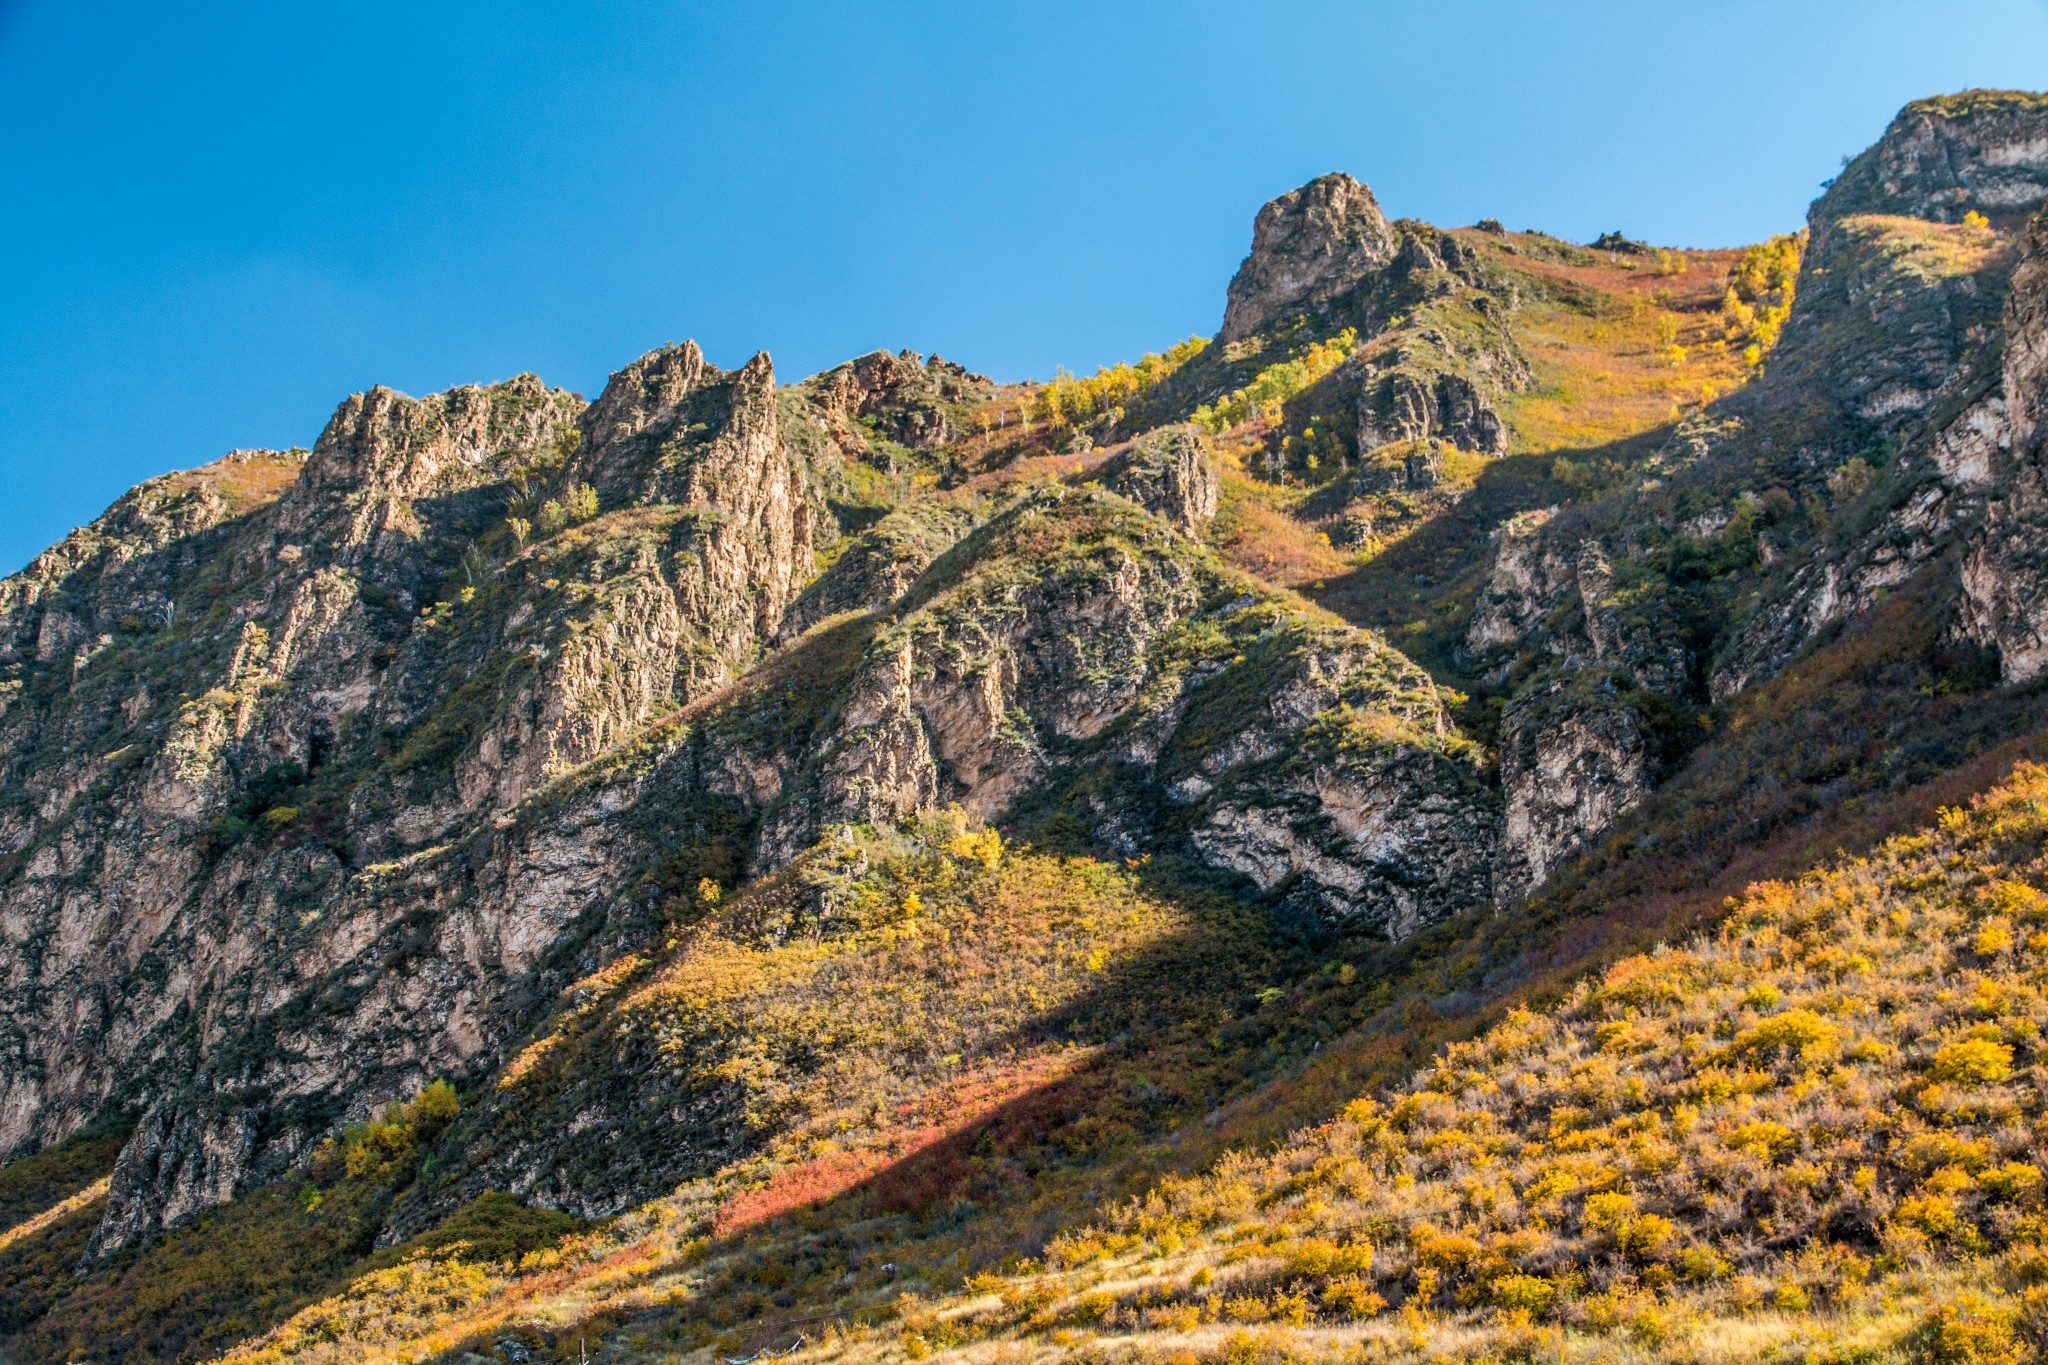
[1830, 1108]
[63, 1208]
[1600, 346]
[1258, 527]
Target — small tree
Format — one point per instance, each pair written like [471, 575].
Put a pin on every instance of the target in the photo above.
[580, 502]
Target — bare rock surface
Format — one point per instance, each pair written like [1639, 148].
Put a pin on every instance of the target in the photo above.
[1311, 243]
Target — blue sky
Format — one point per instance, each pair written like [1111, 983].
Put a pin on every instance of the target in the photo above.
[221, 219]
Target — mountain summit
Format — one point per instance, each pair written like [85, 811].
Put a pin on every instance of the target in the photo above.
[1306, 245]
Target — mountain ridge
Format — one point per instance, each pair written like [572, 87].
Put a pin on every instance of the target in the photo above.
[498, 736]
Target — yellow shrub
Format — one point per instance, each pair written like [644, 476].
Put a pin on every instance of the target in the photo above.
[1933, 1214]
[1994, 938]
[1525, 1292]
[1969, 1330]
[983, 846]
[1247, 1308]
[1647, 1238]
[1951, 1180]
[1926, 1151]
[1608, 1212]
[1453, 1251]
[2017, 899]
[1973, 1061]
[1703, 1263]
[1770, 1140]
[1353, 1297]
[2015, 1180]
[1320, 1256]
[1800, 1029]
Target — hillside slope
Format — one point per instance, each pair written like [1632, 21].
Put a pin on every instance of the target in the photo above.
[729, 860]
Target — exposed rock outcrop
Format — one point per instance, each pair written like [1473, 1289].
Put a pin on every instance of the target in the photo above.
[901, 398]
[1573, 754]
[1572, 762]
[1527, 579]
[1982, 151]
[2005, 578]
[1401, 406]
[1897, 307]
[879, 565]
[1309, 244]
[1900, 318]
[1323, 769]
[1171, 472]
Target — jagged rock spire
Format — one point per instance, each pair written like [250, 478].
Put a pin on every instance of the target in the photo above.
[1312, 243]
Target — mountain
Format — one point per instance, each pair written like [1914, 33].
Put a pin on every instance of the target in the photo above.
[1486, 812]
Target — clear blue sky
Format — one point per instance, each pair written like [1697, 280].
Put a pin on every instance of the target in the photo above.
[221, 219]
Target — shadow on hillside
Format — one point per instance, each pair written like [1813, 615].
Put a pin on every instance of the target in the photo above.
[1436, 564]
[1231, 1033]
[1849, 747]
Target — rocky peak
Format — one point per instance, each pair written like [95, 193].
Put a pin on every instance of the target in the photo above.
[900, 396]
[644, 393]
[1310, 244]
[1897, 307]
[672, 428]
[1983, 151]
[412, 447]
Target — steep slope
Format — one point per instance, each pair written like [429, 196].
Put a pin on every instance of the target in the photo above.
[378, 840]
[1832, 1103]
[834, 835]
[300, 723]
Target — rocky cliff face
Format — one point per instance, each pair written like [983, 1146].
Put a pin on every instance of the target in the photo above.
[1060, 643]
[1584, 663]
[1887, 407]
[1903, 319]
[316, 759]
[1170, 472]
[2005, 578]
[904, 399]
[301, 726]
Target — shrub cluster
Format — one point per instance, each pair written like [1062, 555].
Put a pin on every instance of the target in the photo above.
[1068, 401]
[1840, 1088]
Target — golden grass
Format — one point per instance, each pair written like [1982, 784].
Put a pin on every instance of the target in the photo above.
[1256, 530]
[1603, 370]
[63, 1208]
[1784, 1131]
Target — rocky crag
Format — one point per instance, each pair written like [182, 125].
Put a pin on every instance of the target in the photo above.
[456, 747]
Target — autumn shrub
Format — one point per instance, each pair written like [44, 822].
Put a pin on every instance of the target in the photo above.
[1067, 401]
[1969, 1330]
[1973, 1061]
[1275, 384]
[1814, 1062]
[1760, 291]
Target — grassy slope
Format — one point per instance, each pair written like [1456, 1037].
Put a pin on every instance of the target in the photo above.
[1604, 395]
[1812, 1128]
